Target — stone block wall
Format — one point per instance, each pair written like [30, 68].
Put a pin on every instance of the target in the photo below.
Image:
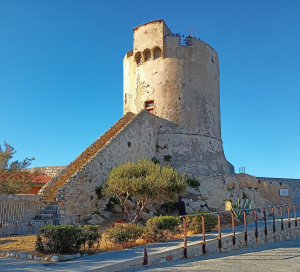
[294, 184]
[20, 198]
[49, 191]
[51, 171]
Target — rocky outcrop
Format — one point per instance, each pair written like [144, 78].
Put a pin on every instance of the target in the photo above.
[215, 190]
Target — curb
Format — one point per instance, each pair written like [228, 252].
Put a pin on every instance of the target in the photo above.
[49, 258]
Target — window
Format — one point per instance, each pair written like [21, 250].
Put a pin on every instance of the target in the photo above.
[149, 106]
[157, 53]
[138, 58]
[147, 55]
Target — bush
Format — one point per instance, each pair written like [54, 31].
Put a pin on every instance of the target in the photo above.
[192, 182]
[194, 223]
[65, 238]
[169, 207]
[90, 234]
[124, 233]
[162, 227]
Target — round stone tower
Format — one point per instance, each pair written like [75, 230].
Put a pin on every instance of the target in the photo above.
[178, 81]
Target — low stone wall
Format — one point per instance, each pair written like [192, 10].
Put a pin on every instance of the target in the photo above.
[212, 246]
[20, 198]
[51, 171]
[294, 184]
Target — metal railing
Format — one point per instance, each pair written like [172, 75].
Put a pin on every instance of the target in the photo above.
[26, 218]
[245, 211]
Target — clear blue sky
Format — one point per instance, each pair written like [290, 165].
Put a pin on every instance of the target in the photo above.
[61, 74]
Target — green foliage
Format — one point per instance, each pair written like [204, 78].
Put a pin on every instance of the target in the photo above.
[245, 196]
[194, 223]
[66, 238]
[129, 144]
[167, 158]
[89, 234]
[111, 202]
[157, 146]
[61, 239]
[91, 197]
[124, 233]
[145, 181]
[155, 160]
[169, 207]
[13, 178]
[192, 182]
[97, 212]
[240, 207]
[100, 192]
[39, 247]
[162, 227]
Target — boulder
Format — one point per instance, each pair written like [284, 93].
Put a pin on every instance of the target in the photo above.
[195, 206]
[106, 214]
[238, 192]
[151, 208]
[188, 209]
[204, 209]
[96, 220]
[202, 203]
[117, 208]
[145, 216]
[193, 190]
[130, 204]
[214, 203]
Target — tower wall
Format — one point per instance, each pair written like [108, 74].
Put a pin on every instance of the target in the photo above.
[183, 83]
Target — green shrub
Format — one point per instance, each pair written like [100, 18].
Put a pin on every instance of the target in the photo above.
[240, 207]
[61, 239]
[167, 158]
[65, 238]
[169, 206]
[162, 227]
[89, 235]
[39, 247]
[192, 182]
[194, 223]
[124, 233]
[155, 160]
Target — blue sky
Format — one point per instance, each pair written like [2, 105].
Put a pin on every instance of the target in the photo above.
[61, 74]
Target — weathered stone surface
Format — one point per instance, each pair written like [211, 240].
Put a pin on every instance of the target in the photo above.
[202, 203]
[214, 203]
[145, 216]
[96, 220]
[195, 206]
[188, 209]
[130, 204]
[151, 208]
[117, 208]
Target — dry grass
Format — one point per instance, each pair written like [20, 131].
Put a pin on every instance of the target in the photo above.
[24, 244]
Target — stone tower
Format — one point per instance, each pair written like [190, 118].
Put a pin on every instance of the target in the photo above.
[178, 82]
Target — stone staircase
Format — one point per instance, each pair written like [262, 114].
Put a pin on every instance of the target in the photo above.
[49, 191]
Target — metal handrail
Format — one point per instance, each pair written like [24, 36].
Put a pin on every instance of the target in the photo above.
[183, 217]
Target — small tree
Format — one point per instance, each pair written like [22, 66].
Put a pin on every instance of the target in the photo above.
[145, 181]
[13, 179]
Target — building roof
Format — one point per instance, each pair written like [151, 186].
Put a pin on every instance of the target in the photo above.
[160, 20]
[38, 179]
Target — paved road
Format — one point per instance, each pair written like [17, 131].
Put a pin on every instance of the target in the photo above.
[281, 256]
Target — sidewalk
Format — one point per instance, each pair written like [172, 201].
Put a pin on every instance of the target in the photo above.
[116, 260]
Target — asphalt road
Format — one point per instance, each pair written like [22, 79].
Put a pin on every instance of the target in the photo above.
[281, 256]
